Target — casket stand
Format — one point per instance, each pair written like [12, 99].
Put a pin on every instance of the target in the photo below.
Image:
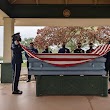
[84, 79]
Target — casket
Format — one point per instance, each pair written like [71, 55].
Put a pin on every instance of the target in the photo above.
[94, 67]
[82, 79]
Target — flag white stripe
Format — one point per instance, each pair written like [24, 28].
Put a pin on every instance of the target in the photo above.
[107, 50]
[76, 58]
[102, 50]
[96, 50]
[65, 56]
[66, 62]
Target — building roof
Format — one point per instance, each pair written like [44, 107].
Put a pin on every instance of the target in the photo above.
[51, 9]
[56, 8]
[59, 1]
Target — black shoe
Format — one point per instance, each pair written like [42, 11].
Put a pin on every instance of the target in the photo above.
[35, 79]
[28, 80]
[108, 91]
[17, 92]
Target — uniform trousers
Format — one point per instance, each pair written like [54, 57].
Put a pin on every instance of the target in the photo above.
[29, 76]
[16, 74]
[107, 66]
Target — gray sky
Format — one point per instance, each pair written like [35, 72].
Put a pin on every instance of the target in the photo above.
[25, 32]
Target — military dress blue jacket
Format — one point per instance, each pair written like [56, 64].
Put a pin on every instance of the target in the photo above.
[17, 54]
[64, 50]
[33, 50]
[46, 51]
[107, 56]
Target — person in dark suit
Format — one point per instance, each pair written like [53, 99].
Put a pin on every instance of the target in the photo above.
[90, 48]
[33, 50]
[79, 50]
[107, 64]
[64, 49]
[47, 50]
[16, 62]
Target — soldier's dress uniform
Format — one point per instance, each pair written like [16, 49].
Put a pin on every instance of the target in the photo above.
[78, 50]
[35, 51]
[16, 66]
[46, 51]
[107, 64]
[64, 50]
[90, 50]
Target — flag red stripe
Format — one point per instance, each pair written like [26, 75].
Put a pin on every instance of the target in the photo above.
[66, 60]
[105, 51]
[68, 65]
[101, 49]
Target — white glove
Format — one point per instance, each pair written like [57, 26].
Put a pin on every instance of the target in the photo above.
[16, 42]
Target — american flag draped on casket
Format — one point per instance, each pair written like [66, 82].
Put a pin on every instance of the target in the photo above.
[71, 59]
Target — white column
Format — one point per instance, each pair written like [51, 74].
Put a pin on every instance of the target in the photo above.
[8, 32]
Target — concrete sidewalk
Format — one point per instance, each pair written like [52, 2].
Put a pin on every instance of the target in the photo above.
[29, 101]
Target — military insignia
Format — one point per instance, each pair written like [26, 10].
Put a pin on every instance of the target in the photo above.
[66, 13]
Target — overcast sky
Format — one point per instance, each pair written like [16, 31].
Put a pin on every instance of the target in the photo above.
[25, 32]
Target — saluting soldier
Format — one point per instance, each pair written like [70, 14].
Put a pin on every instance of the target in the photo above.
[79, 50]
[16, 62]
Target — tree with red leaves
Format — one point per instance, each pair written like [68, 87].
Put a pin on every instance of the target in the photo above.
[53, 35]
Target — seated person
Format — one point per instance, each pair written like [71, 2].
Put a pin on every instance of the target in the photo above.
[90, 48]
[64, 49]
[79, 50]
[33, 50]
[46, 50]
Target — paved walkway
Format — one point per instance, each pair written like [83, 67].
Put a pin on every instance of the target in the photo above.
[29, 101]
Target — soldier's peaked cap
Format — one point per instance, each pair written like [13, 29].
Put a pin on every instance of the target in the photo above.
[16, 34]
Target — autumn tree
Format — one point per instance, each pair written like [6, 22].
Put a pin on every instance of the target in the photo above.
[53, 35]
